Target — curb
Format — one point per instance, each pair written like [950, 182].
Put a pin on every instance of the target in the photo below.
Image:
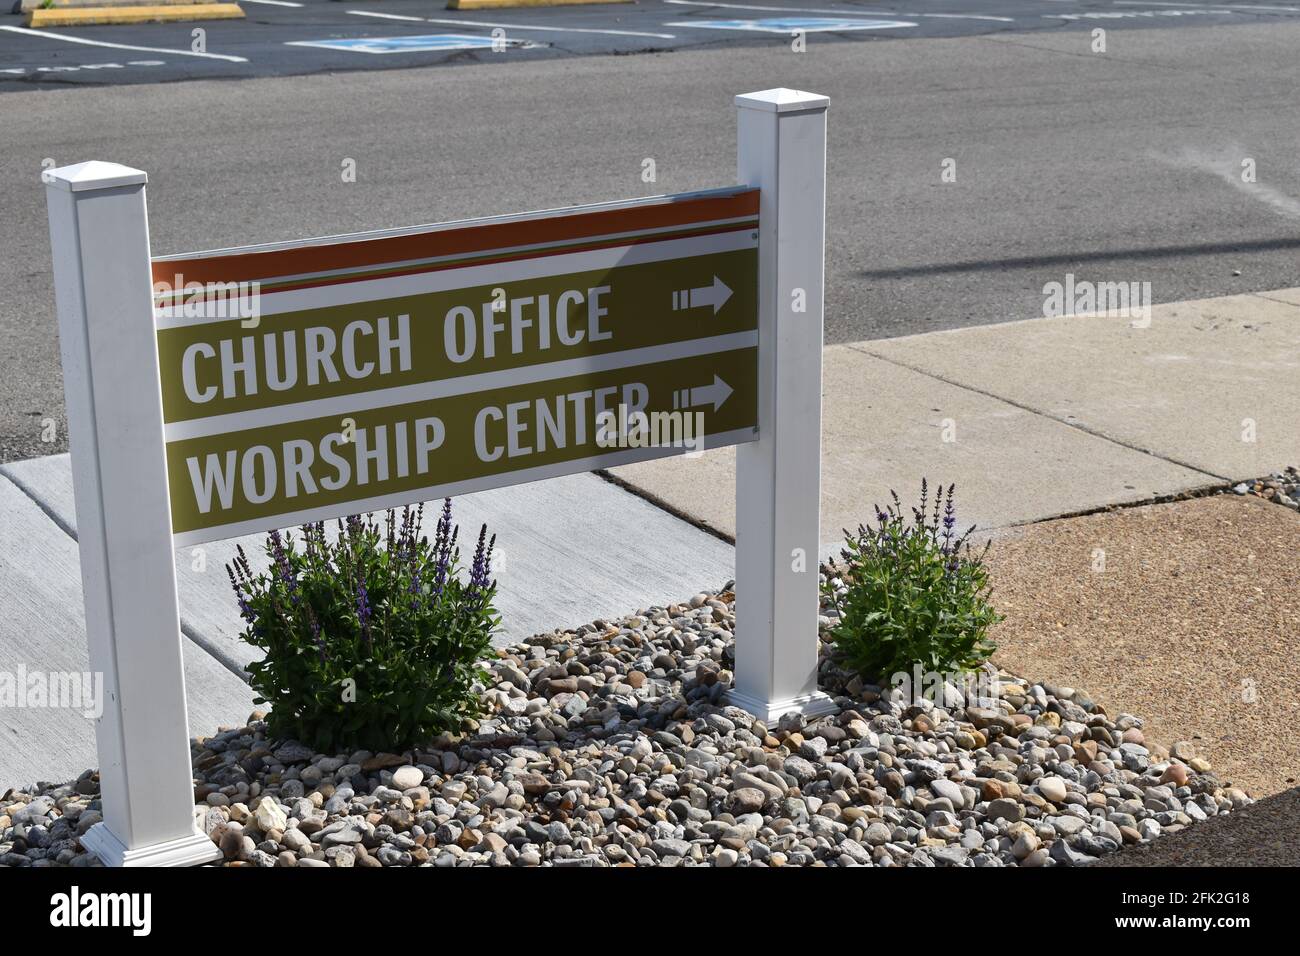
[87, 16]
[26, 6]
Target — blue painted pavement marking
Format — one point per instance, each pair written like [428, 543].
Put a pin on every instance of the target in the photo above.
[410, 44]
[795, 24]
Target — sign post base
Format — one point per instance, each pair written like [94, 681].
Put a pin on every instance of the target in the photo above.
[811, 705]
[187, 851]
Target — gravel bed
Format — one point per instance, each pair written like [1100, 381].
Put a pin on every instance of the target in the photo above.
[1281, 487]
[611, 744]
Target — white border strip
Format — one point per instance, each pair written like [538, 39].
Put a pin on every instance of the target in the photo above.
[356, 402]
[575, 466]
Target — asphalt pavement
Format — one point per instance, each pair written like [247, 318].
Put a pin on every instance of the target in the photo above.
[1128, 165]
[291, 37]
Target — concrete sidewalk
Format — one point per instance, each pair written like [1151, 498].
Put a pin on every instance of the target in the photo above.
[43, 631]
[568, 551]
[1031, 420]
[1039, 418]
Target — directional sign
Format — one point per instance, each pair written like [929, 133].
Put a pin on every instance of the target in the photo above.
[315, 379]
[302, 381]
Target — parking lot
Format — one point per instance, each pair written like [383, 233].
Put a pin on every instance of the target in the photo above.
[293, 37]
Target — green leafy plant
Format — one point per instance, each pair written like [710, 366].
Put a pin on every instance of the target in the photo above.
[371, 639]
[911, 592]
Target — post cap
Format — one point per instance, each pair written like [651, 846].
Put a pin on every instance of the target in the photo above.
[93, 175]
[782, 100]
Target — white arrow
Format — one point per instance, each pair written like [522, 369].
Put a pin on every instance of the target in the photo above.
[715, 295]
[714, 395]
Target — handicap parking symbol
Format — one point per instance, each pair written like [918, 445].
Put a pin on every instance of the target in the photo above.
[410, 44]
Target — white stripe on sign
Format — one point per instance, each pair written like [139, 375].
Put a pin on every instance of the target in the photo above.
[462, 385]
[370, 290]
[47, 35]
[608, 459]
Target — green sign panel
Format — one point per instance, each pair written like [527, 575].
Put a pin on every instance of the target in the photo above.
[318, 380]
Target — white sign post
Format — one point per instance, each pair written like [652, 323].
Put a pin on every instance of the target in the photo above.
[99, 235]
[651, 272]
[782, 151]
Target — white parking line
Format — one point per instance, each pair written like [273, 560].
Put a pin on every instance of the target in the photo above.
[960, 16]
[844, 11]
[23, 70]
[384, 16]
[511, 26]
[1226, 6]
[47, 35]
[788, 26]
[1183, 11]
[433, 43]
[275, 3]
[521, 26]
[754, 6]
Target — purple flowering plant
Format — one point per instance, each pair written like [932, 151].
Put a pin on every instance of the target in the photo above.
[373, 637]
[911, 591]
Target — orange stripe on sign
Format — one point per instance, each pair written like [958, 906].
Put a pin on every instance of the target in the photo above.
[322, 255]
